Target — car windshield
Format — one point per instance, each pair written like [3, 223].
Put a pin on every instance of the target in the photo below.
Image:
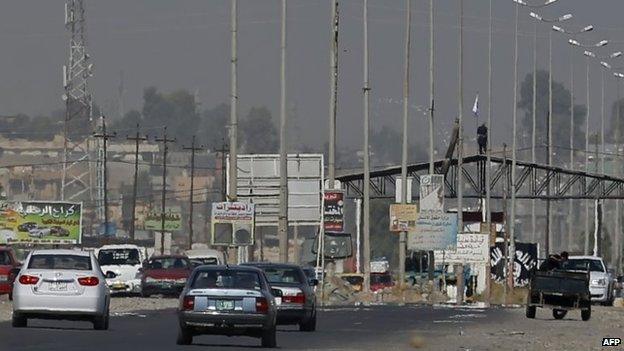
[71, 262]
[168, 263]
[5, 260]
[283, 275]
[119, 257]
[226, 279]
[581, 264]
[381, 279]
[204, 261]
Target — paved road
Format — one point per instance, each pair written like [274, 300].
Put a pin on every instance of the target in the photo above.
[374, 328]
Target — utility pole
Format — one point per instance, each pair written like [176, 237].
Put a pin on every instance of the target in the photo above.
[550, 142]
[104, 136]
[430, 256]
[548, 219]
[534, 130]
[618, 171]
[164, 140]
[366, 225]
[514, 147]
[506, 226]
[223, 152]
[333, 96]
[137, 139]
[403, 235]
[460, 151]
[282, 225]
[233, 185]
[193, 149]
[571, 202]
[586, 241]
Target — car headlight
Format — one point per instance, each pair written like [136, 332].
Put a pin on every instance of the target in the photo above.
[150, 280]
[599, 282]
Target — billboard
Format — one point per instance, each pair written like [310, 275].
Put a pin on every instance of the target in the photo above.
[471, 248]
[232, 223]
[40, 222]
[434, 231]
[432, 192]
[173, 219]
[403, 217]
[333, 211]
[258, 183]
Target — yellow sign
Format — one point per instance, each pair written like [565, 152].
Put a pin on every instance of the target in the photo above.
[403, 217]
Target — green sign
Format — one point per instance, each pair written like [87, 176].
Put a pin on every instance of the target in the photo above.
[40, 222]
[173, 220]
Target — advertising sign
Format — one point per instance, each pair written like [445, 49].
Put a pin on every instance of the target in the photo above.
[525, 259]
[258, 182]
[403, 217]
[333, 211]
[471, 248]
[232, 223]
[173, 219]
[432, 192]
[434, 231]
[40, 222]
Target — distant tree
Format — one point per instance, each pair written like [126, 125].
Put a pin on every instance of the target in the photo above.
[213, 126]
[177, 111]
[561, 115]
[127, 123]
[258, 134]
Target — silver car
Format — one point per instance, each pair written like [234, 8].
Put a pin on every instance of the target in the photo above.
[61, 284]
[227, 300]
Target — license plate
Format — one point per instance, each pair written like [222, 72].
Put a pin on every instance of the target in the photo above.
[119, 286]
[4, 278]
[224, 305]
[58, 286]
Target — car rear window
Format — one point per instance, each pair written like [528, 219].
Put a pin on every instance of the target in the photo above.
[283, 275]
[205, 261]
[226, 279]
[119, 257]
[168, 263]
[71, 262]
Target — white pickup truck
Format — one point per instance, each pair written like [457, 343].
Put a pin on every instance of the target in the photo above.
[121, 265]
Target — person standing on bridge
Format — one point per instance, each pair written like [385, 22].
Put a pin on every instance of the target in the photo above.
[482, 138]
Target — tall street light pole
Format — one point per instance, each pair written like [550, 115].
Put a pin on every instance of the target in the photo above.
[550, 122]
[618, 171]
[514, 146]
[572, 129]
[283, 207]
[431, 85]
[232, 186]
[366, 225]
[333, 98]
[402, 237]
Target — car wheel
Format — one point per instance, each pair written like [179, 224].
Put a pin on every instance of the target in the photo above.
[269, 338]
[185, 337]
[101, 322]
[310, 325]
[530, 311]
[559, 314]
[19, 321]
[586, 314]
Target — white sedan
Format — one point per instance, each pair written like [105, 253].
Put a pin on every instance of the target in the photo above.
[61, 284]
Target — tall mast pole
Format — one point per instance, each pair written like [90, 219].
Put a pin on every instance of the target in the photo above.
[366, 225]
[514, 142]
[534, 129]
[333, 85]
[233, 179]
[406, 73]
[283, 207]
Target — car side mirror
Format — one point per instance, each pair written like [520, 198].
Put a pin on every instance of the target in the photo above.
[314, 282]
[276, 292]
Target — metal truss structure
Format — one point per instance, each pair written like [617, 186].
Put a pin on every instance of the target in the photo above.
[531, 183]
[78, 168]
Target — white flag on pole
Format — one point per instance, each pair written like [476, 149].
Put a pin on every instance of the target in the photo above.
[475, 107]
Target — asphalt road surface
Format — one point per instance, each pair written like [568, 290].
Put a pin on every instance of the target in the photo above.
[365, 328]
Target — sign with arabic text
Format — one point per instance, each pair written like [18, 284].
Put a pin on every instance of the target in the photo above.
[525, 259]
[434, 231]
[403, 217]
[471, 248]
[232, 223]
[333, 211]
[40, 222]
[173, 219]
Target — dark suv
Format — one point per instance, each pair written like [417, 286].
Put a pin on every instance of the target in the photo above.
[297, 305]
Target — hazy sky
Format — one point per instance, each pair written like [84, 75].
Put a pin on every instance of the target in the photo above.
[186, 44]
